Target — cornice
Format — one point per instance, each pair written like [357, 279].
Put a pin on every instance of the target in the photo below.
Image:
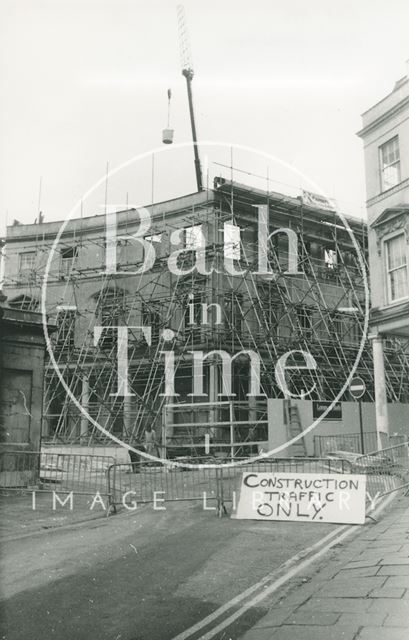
[384, 117]
[386, 194]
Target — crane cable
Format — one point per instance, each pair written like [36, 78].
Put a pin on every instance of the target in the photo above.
[169, 97]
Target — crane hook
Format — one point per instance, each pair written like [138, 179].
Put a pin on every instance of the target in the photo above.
[167, 134]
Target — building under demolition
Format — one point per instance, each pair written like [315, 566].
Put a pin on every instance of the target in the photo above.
[308, 296]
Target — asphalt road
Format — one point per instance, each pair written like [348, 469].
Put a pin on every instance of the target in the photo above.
[139, 576]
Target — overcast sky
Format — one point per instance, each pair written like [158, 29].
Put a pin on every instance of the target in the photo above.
[84, 82]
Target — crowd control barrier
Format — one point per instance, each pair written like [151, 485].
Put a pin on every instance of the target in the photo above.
[213, 485]
[60, 472]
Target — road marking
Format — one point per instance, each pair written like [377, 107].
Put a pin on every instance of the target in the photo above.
[335, 537]
[258, 585]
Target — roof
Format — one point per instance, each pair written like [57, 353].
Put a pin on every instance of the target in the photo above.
[163, 209]
[97, 221]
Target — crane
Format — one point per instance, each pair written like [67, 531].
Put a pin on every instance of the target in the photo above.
[187, 71]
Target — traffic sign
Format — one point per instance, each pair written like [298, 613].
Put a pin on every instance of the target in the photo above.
[357, 388]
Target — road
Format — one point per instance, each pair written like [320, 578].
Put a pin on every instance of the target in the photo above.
[146, 575]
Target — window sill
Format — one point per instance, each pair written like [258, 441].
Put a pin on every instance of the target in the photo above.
[384, 194]
[395, 303]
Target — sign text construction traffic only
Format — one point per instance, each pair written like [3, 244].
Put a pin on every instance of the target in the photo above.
[302, 497]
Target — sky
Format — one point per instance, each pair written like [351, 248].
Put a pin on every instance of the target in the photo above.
[84, 83]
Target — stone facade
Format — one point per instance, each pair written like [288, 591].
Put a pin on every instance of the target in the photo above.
[387, 123]
[385, 134]
[320, 308]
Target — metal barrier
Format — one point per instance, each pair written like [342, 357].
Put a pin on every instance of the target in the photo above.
[140, 483]
[60, 472]
[345, 442]
[386, 470]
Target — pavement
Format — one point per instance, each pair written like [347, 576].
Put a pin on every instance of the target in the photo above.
[362, 593]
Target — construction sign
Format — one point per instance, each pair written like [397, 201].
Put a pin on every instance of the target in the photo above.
[334, 413]
[303, 497]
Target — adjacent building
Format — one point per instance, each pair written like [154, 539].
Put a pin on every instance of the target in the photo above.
[22, 357]
[385, 134]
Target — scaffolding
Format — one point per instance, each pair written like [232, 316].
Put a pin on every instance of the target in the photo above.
[320, 310]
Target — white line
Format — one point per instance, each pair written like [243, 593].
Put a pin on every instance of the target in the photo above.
[256, 586]
[276, 584]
